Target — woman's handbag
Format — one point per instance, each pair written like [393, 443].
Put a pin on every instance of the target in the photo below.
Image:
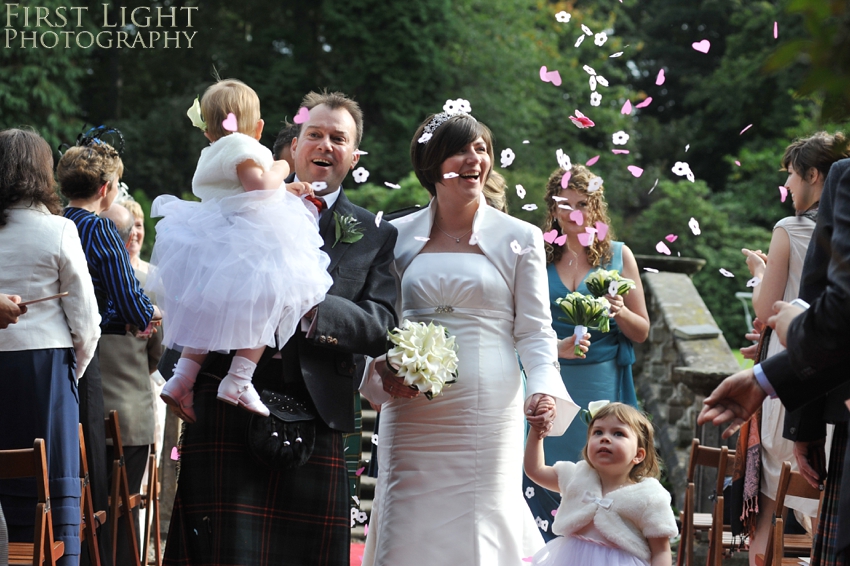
[285, 439]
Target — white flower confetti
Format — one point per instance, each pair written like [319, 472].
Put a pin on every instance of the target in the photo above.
[515, 247]
[681, 168]
[592, 82]
[595, 99]
[319, 185]
[425, 137]
[617, 54]
[520, 191]
[563, 160]
[601, 80]
[529, 207]
[620, 138]
[507, 157]
[458, 106]
[726, 273]
[392, 185]
[421, 238]
[650, 269]
[360, 152]
[754, 282]
[693, 224]
[594, 185]
[375, 438]
[563, 17]
[361, 174]
[589, 70]
[580, 39]
[529, 492]
[378, 218]
[600, 38]
[586, 30]
[450, 175]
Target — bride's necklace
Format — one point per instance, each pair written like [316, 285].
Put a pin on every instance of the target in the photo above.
[455, 238]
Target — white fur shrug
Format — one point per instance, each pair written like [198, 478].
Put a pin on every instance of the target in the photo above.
[635, 512]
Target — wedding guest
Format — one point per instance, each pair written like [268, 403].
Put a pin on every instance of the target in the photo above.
[88, 175]
[604, 371]
[47, 350]
[247, 512]
[449, 485]
[807, 161]
[10, 310]
[137, 236]
[282, 148]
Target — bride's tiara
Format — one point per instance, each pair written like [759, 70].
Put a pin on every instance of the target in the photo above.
[450, 108]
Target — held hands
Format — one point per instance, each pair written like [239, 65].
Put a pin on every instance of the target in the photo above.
[540, 413]
[781, 321]
[10, 310]
[811, 460]
[393, 384]
[566, 347]
[734, 401]
[756, 262]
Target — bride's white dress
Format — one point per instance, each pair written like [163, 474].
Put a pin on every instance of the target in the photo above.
[450, 482]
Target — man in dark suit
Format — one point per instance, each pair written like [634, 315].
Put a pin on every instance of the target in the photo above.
[229, 507]
[817, 338]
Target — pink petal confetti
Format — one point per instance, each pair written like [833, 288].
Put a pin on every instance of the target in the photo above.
[302, 116]
[662, 248]
[561, 240]
[601, 230]
[694, 226]
[754, 282]
[530, 558]
[702, 46]
[645, 103]
[659, 80]
[738, 163]
[775, 30]
[671, 238]
[378, 218]
[592, 161]
[635, 170]
[577, 216]
[553, 77]
[650, 269]
[745, 129]
[175, 455]
[365, 529]
[627, 108]
[231, 124]
[783, 193]
[550, 236]
[554, 512]
[582, 121]
[360, 471]
[421, 238]
[726, 273]
[565, 180]
[585, 239]
[619, 151]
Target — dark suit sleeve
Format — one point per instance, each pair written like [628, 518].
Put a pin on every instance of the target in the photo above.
[360, 326]
[818, 338]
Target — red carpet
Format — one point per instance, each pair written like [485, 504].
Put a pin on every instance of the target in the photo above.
[357, 553]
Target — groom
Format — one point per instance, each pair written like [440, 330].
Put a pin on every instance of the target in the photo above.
[230, 508]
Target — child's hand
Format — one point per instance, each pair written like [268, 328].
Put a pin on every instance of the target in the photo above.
[300, 188]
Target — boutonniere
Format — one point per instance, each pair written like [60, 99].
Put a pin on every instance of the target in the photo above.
[347, 229]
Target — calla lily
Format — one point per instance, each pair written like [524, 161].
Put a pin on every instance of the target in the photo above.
[194, 114]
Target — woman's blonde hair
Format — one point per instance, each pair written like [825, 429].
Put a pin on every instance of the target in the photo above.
[82, 170]
[640, 425]
[224, 97]
[134, 207]
[599, 252]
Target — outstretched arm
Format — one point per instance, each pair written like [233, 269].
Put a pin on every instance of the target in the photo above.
[535, 465]
[255, 178]
[734, 401]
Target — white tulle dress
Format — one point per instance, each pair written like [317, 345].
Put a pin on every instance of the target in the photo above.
[238, 268]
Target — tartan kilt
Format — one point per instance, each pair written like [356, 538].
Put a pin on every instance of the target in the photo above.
[824, 551]
[232, 510]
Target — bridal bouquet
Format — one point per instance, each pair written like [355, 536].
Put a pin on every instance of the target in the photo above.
[584, 311]
[424, 355]
[603, 282]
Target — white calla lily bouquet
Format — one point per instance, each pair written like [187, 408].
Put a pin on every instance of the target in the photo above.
[608, 282]
[425, 356]
[584, 311]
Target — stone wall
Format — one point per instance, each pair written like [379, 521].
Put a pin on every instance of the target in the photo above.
[681, 362]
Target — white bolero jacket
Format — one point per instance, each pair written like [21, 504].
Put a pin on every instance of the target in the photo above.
[626, 517]
[497, 235]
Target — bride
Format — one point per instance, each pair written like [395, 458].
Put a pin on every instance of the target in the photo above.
[449, 485]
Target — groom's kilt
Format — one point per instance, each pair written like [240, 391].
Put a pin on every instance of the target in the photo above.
[232, 510]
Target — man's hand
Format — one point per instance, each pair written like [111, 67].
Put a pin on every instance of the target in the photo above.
[10, 310]
[734, 401]
[540, 412]
[785, 313]
[811, 460]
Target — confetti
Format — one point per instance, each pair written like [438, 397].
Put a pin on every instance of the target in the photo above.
[591, 80]
[671, 238]
[515, 247]
[563, 160]
[378, 218]
[726, 273]
[745, 129]
[507, 157]
[592, 161]
[359, 472]
[302, 116]
[659, 80]
[563, 17]
[702, 46]
[601, 230]
[529, 492]
[681, 168]
[577, 216]
[694, 226]
[600, 38]
[617, 54]
[620, 138]
[520, 191]
[425, 137]
[601, 80]
[375, 439]
[231, 124]
[754, 282]
[619, 151]
[653, 187]
[550, 236]
[783, 193]
[361, 174]
[175, 455]
[421, 239]
[561, 240]
[650, 269]
[635, 170]
[474, 238]
[529, 207]
[526, 141]
[586, 30]
[450, 175]
[586, 239]
[645, 103]
[589, 70]
[565, 179]
[594, 185]
[687, 147]
[392, 185]
[553, 77]
[458, 106]
[595, 98]
[775, 30]
[360, 152]
[319, 185]
[738, 163]
[662, 248]
[627, 108]
[579, 40]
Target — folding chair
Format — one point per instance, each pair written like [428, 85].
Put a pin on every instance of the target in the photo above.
[121, 502]
[778, 543]
[90, 520]
[720, 538]
[150, 502]
[32, 463]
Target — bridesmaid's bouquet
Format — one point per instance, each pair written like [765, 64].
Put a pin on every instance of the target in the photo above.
[604, 282]
[424, 355]
[584, 311]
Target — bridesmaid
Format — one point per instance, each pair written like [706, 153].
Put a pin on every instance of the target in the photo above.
[604, 371]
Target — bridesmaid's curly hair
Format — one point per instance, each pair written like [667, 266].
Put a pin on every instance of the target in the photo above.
[26, 171]
[599, 252]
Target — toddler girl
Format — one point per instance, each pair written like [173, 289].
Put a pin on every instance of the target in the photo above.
[239, 269]
[613, 510]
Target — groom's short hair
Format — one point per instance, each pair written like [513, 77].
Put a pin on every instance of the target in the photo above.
[334, 100]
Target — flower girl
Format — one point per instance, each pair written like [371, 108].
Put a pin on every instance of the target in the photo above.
[239, 269]
[613, 509]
